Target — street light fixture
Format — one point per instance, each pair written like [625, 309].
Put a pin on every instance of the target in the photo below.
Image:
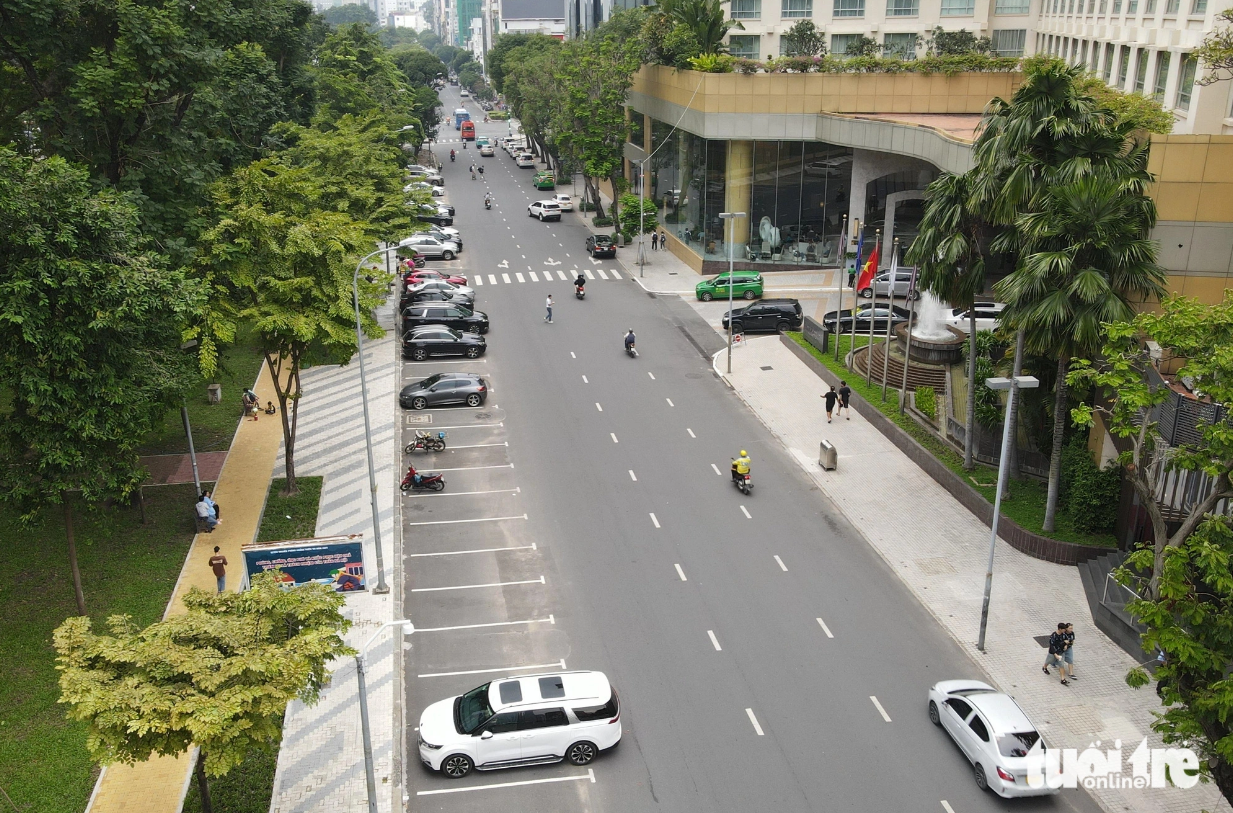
[381, 587]
[730, 216]
[369, 773]
[1013, 385]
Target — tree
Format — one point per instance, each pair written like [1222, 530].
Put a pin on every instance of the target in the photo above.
[418, 66]
[638, 215]
[350, 13]
[90, 354]
[705, 19]
[356, 75]
[804, 39]
[1216, 52]
[1202, 337]
[497, 59]
[955, 43]
[861, 46]
[218, 676]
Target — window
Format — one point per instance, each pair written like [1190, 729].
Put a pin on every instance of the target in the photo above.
[637, 128]
[1017, 745]
[1013, 6]
[960, 707]
[1185, 82]
[1117, 6]
[958, 8]
[1162, 75]
[1132, 6]
[1123, 66]
[1149, 7]
[1172, 6]
[503, 723]
[978, 727]
[746, 9]
[744, 46]
[1104, 6]
[1141, 71]
[1198, 7]
[899, 46]
[848, 8]
[551, 687]
[604, 712]
[1083, 53]
[541, 718]
[1009, 42]
[1108, 70]
[902, 8]
[840, 42]
[800, 8]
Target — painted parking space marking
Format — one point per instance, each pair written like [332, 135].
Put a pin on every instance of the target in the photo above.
[691, 433]
[825, 628]
[754, 720]
[881, 710]
[614, 438]
[669, 400]
[476, 550]
[714, 641]
[540, 580]
[438, 495]
[633, 476]
[654, 520]
[717, 471]
[464, 521]
[680, 573]
[598, 407]
[589, 775]
[782, 566]
[551, 619]
[558, 665]
[745, 511]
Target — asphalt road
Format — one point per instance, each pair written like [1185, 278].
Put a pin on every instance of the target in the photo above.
[595, 492]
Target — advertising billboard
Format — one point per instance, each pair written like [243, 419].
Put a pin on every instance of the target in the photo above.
[337, 561]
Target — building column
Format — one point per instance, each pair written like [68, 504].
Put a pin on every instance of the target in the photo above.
[738, 193]
[888, 234]
[865, 168]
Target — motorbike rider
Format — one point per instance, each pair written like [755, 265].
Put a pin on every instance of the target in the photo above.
[580, 283]
[740, 466]
[481, 169]
[629, 339]
[452, 155]
[487, 199]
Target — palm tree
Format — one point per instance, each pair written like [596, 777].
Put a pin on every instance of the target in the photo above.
[705, 18]
[1086, 254]
[952, 265]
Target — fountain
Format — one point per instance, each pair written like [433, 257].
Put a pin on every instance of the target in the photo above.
[933, 341]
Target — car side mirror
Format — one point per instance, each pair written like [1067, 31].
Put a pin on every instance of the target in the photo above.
[487, 735]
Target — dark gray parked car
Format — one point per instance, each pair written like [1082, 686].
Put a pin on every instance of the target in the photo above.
[443, 389]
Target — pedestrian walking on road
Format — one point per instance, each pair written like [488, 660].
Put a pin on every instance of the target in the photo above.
[1068, 654]
[548, 318]
[655, 241]
[218, 563]
[1057, 646]
[831, 397]
[845, 394]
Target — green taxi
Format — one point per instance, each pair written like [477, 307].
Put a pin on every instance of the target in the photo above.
[544, 180]
[744, 284]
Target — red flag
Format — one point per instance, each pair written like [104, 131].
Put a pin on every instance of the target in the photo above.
[871, 268]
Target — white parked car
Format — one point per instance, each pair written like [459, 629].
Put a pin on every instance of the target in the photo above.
[987, 316]
[424, 186]
[525, 160]
[544, 210]
[521, 720]
[566, 202]
[993, 733]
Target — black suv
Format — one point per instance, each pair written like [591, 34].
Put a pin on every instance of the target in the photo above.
[444, 313]
[601, 245]
[768, 315]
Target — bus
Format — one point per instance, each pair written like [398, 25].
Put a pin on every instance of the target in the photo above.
[468, 131]
[460, 115]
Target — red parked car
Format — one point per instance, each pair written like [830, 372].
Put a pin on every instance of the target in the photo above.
[426, 274]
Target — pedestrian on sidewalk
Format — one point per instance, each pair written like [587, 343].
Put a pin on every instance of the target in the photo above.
[1069, 654]
[206, 516]
[548, 318]
[831, 397]
[663, 239]
[845, 395]
[655, 241]
[1057, 646]
[218, 563]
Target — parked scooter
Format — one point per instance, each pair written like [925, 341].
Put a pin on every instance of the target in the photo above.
[426, 441]
[415, 481]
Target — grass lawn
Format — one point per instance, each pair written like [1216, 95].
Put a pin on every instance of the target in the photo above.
[126, 568]
[1026, 502]
[292, 517]
[213, 424]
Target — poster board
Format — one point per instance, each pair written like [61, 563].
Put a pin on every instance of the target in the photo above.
[337, 561]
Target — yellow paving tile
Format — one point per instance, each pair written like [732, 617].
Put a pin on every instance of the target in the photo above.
[157, 785]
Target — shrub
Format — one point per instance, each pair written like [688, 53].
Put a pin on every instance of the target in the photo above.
[711, 63]
[746, 66]
[498, 115]
[927, 402]
[1091, 493]
[586, 206]
[630, 219]
[601, 222]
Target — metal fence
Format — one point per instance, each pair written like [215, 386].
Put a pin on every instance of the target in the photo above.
[988, 449]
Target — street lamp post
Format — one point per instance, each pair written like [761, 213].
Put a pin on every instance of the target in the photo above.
[730, 216]
[381, 587]
[1013, 384]
[370, 778]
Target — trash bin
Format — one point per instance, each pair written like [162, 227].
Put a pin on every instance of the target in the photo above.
[828, 458]
[620, 239]
[214, 393]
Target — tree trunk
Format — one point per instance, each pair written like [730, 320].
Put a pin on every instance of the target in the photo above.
[1055, 456]
[969, 420]
[612, 181]
[1012, 459]
[203, 785]
[285, 396]
[72, 551]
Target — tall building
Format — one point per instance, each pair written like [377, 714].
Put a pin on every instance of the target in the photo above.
[533, 17]
[467, 10]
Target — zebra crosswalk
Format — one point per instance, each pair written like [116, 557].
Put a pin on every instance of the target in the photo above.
[543, 276]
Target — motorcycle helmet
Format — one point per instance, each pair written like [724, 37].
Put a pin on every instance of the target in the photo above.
[744, 453]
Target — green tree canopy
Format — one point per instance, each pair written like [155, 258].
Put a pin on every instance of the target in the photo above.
[498, 60]
[350, 13]
[805, 39]
[419, 65]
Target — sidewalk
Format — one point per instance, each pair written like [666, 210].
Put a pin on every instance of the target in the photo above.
[939, 551]
[159, 784]
[321, 761]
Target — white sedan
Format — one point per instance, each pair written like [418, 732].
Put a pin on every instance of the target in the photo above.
[987, 316]
[423, 186]
[994, 734]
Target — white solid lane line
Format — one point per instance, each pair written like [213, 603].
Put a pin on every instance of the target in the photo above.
[550, 619]
[559, 665]
[714, 641]
[680, 573]
[540, 580]
[717, 471]
[825, 628]
[633, 476]
[655, 520]
[881, 710]
[745, 511]
[598, 407]
[614, 440]
[589, 775]
[461, 521]
[651, 374]
[754, 720]
[669, 400]
[782, 566]
[477, 550]
[691, 432]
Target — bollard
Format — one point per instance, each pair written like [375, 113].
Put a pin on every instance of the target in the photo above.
[828, 458]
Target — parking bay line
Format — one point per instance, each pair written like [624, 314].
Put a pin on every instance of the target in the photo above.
[558, 665]
[479, 445]
[470, 468]
[946, 806]
[714, 641]
[472, 519]
[881, 710]
[463, 425]
[476, 550]
[590, 775]
[680, 573]
[540, 580]
[551, 619]
[514, 490]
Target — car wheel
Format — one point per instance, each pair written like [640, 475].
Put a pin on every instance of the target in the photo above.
[915, 296]
[473, 400]
[448, 255]
[473, 330]
[419, 402]
[978, 773]
[456, 766]
[738, 327]
[933, 713]
[581, 753]
[748, 295]
[706, 297]
[541, 217]
[473, 352]
[782, 327]
[866, 293]
[419, 354]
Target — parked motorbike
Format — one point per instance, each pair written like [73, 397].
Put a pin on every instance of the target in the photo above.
[422, 481]
[426, 441]
[743, 482]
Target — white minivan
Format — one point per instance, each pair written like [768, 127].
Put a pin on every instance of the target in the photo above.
[521, 720]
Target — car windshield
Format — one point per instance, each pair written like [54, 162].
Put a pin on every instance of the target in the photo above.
[602, 240]
[1018, 745]
[473, 710]
[429, 381]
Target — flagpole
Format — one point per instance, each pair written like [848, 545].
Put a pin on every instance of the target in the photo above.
[894, 279]
[907, 347]
[873, 305]
[843, 272]
[860, 247]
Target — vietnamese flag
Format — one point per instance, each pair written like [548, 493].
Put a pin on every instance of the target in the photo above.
[871, 268]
